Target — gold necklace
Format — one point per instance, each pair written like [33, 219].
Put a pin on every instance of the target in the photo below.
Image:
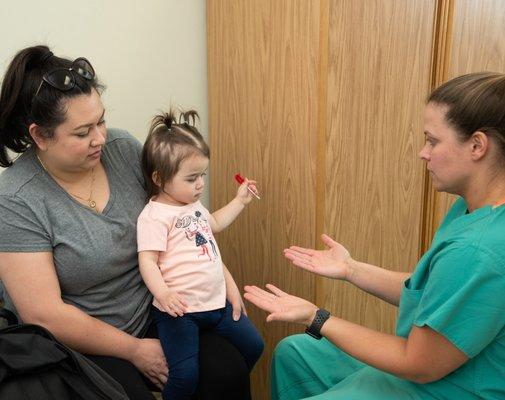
[91, 203]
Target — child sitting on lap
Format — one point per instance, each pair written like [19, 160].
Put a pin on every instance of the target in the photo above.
[178, 256]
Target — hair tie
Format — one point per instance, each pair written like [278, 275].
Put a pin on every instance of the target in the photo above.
[46, 56]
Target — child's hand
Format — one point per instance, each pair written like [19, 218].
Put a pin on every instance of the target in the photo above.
[172, 303]
[244, 195]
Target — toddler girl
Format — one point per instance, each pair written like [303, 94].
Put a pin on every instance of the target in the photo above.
[178, 256]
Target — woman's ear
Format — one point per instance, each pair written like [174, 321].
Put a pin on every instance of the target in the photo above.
[38, 137]
[480, 145]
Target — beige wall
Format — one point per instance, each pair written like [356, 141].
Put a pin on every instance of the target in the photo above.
[150, 54]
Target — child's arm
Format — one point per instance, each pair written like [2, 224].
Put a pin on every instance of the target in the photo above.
[223, 217]
[233, 295]
[171, 302]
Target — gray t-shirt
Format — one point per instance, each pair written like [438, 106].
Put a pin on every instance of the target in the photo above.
[95, 255]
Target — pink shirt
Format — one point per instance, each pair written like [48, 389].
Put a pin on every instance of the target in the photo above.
[189, 258]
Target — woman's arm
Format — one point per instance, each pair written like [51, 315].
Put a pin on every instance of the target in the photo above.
[220, 219]
[380, 282]
[335, 262]
[32, 283]
[423, 357]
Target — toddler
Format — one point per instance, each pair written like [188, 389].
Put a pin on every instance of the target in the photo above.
[178, 256]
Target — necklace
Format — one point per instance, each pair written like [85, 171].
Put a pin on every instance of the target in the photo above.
[90, 202]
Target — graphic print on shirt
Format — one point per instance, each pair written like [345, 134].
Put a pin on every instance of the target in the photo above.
[204, 225]
[191, 228]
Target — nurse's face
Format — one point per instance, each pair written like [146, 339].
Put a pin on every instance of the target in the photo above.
[448, 159]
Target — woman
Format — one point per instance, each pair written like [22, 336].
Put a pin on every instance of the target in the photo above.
[450, 338]
[69, 205]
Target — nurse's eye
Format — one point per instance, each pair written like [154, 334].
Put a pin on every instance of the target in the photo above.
[430, 141]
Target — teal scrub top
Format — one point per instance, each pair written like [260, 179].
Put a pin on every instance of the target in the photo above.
[458, 290]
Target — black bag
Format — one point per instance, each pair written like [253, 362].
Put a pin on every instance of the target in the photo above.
[35, 366]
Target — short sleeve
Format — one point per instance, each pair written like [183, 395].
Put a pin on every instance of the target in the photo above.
[463, 298]
[152, 234]
[20, 230]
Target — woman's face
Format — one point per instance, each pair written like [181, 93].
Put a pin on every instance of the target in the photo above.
[77, 142]
[448, 160]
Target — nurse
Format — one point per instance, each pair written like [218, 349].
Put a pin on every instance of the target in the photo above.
[450, 337]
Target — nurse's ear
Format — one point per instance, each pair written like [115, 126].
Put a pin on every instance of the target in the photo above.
[479, 145]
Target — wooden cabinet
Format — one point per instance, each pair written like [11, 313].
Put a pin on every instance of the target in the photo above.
[321, 101]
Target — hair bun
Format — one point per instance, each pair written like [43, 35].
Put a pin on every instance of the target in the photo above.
[189, 117]
[168, 119]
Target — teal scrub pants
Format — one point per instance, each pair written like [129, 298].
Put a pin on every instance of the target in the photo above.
[305, 368]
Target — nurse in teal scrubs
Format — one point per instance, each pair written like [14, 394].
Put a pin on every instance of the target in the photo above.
[450, 336]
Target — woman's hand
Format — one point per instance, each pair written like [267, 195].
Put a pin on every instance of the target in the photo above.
[244, 195]
[149, 359]
[172, 303]
[332, 262]
[281, 306]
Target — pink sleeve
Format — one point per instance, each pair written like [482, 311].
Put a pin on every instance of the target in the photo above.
[151, 234]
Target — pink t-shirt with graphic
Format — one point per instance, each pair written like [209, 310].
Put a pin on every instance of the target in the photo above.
[189, 258]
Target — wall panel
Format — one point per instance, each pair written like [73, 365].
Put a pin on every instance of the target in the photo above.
[379, 76]
[263, 82]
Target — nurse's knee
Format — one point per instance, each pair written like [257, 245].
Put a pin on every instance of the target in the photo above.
[289, 348]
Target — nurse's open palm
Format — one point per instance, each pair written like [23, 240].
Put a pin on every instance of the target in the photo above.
[280, 305]
[332, 262]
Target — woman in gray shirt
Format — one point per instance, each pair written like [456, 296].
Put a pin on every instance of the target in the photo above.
[68, 210]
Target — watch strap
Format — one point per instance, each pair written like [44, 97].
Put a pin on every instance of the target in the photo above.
[314, 329]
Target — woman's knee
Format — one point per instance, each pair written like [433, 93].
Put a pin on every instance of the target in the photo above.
[223, 370]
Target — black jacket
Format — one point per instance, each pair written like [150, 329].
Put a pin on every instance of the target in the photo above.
[35, 366]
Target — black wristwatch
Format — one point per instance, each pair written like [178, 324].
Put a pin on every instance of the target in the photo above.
[314, 329]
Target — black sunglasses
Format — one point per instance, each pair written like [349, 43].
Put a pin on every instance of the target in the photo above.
[63, 79]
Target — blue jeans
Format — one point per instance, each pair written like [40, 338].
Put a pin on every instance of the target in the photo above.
[179, 338]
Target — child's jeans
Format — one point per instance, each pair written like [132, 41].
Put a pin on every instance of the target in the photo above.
[179, 338]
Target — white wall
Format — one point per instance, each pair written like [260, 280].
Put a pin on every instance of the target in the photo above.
[150, 54]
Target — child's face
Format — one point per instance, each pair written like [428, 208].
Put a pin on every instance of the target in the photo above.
[187, 185]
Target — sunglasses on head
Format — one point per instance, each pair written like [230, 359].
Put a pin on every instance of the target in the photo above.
[64, 79]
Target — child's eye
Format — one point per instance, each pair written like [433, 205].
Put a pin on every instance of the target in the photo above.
[81, 134]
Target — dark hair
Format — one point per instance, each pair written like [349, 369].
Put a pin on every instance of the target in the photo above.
[170, 141]
[19, 107]
[476, 102]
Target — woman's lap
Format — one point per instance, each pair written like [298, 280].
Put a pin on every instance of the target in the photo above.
[223, 372]
[124, 372]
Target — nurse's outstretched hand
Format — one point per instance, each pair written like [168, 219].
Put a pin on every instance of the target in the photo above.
[281, 306]
[333, 262]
